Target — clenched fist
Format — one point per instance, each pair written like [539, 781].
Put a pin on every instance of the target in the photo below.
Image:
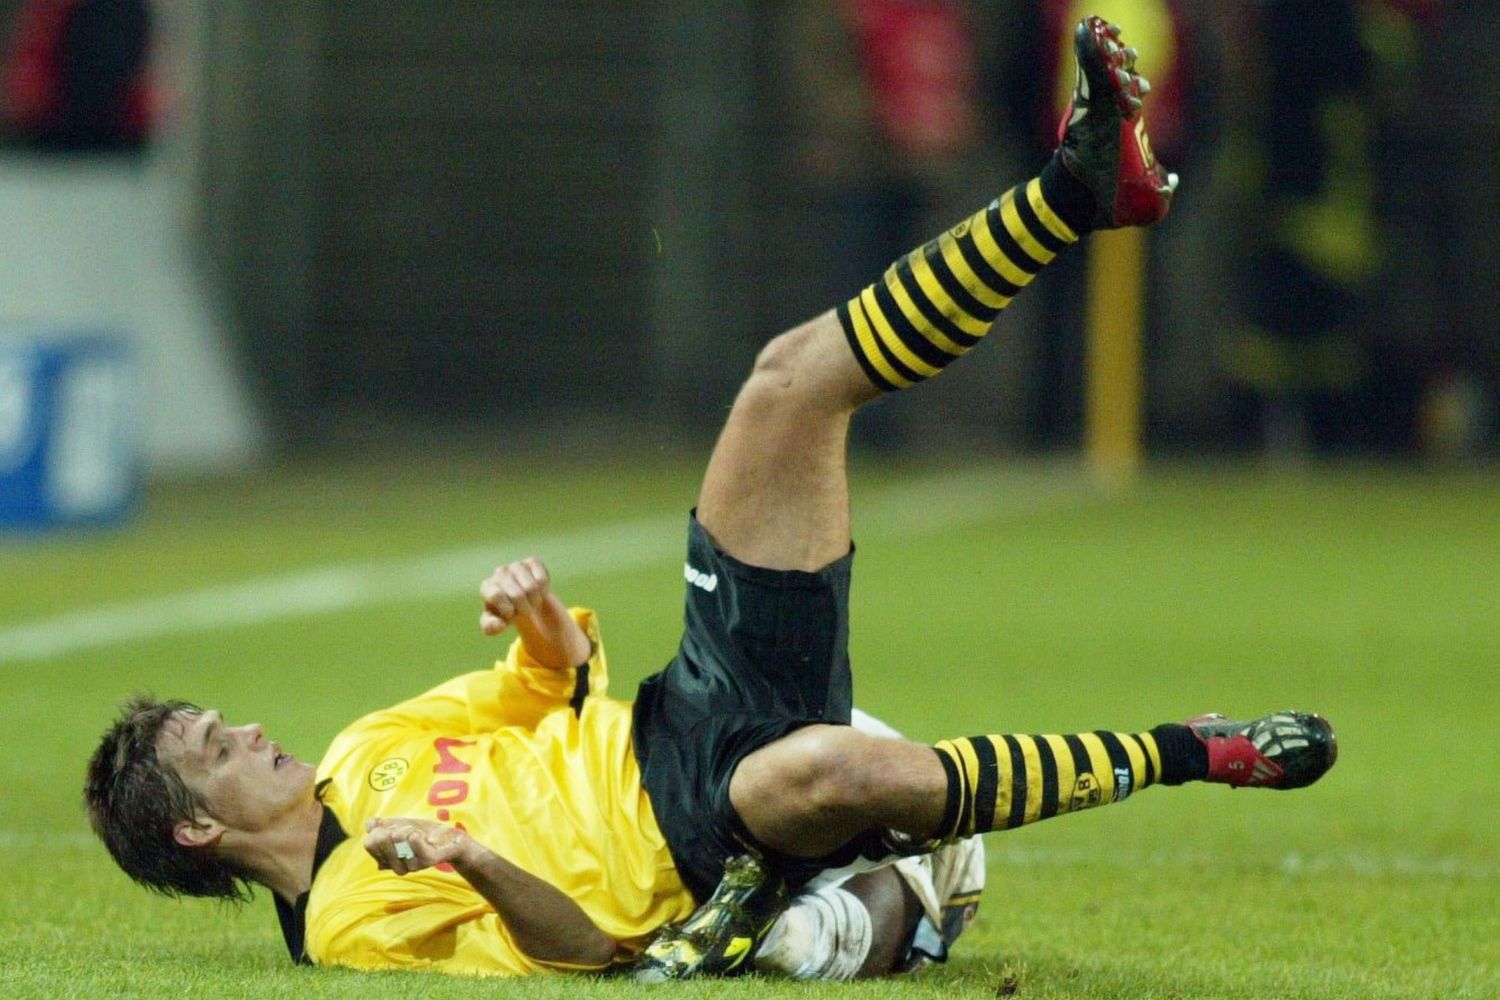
[515, 590]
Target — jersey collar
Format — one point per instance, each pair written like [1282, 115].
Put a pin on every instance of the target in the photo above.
[293, 916]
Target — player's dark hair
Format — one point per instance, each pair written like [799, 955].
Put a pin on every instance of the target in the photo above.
[134, 799]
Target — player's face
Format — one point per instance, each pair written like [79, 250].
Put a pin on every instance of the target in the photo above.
[245, 779]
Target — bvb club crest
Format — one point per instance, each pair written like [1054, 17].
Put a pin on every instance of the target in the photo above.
[388, 773]
[1086, 793]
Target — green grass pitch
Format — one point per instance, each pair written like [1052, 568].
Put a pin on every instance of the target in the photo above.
[994, 599]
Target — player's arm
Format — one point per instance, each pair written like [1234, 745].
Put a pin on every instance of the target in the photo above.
[543, 921]
[520, 594]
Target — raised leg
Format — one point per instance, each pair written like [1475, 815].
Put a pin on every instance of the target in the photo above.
[775, 494]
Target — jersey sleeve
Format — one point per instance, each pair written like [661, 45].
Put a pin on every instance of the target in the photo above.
[519, 691]
[434, 934]
[529, 691]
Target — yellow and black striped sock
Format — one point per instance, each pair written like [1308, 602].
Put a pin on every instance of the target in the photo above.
[999, 782]
[936, 303]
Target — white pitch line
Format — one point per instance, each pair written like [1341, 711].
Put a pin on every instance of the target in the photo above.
[924, 507]
[329, 589]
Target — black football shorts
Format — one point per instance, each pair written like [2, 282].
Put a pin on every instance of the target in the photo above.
[763, 653]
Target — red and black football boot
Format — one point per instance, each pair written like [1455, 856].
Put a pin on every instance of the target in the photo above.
[1102, 138]
[1282, 750]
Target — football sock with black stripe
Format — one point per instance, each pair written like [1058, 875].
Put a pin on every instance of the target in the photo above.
[938, 301]
[1000, 782]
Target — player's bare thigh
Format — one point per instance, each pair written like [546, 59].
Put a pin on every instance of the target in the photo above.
[776, 492]
[812, 791]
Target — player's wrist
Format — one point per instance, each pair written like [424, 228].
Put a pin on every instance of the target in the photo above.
[581, 650]
[552, 638]
[472, 855]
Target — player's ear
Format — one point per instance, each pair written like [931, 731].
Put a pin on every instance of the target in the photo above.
[204, 831]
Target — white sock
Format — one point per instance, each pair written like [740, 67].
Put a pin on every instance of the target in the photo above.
[822, 935]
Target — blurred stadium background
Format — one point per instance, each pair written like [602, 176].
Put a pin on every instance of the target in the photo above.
[380, 288]
[360, 219]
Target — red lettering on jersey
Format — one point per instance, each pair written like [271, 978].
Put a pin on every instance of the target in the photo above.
[449, 763]
[447, 793]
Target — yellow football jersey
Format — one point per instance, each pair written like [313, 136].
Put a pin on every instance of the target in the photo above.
[535, 764]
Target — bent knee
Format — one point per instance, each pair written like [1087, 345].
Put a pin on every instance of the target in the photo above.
[782, 359]
[808, 363]
[809, 793]
[820, 768]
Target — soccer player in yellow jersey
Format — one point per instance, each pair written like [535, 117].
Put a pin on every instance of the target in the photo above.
[520, 819]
